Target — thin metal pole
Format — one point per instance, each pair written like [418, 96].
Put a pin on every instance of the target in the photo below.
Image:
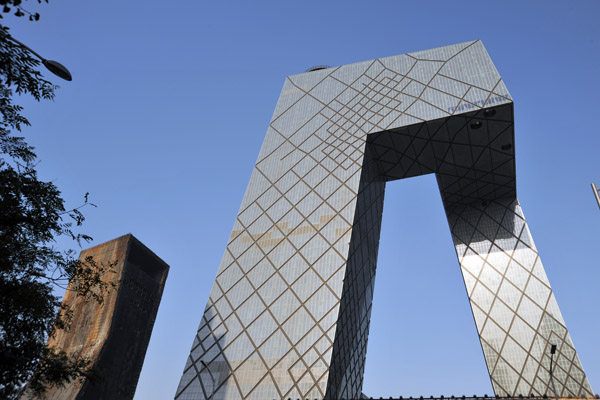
[53, 66]
[551, 378]
[7, 36]
[596, 194]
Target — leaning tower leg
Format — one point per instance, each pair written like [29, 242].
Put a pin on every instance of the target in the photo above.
[515, 311]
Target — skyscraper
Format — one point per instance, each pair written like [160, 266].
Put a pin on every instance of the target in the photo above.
[288, 315]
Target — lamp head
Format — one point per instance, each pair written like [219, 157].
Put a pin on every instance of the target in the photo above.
[58, 69]
[553, 349]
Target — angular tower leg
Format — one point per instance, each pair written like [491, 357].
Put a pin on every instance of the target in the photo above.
[515, 311]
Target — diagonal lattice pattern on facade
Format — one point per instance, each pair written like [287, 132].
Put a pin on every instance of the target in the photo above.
[288, 315]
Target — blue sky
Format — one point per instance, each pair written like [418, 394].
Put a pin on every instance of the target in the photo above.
[169, 105]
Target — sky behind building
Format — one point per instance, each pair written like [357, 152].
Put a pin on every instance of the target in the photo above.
[169, 106]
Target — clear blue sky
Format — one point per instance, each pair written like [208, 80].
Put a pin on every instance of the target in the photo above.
[169, 105]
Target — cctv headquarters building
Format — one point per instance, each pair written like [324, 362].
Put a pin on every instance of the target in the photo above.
[288, 315]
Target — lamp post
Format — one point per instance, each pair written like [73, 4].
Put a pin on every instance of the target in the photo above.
[53, 66]
[552, 351]
[211, 377]
[595, 189]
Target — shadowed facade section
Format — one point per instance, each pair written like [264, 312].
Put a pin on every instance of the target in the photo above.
[288, 315]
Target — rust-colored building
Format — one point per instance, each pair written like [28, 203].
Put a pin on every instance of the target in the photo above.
[114, 335]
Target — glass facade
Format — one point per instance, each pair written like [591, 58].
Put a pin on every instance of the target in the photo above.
[288, 315]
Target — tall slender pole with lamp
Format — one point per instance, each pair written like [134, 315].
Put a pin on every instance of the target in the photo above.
[552, 351]
[53, 66]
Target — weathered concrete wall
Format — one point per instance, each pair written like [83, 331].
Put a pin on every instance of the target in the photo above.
[113, 335]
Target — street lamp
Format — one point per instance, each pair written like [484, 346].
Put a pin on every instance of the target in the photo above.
[211, 377]
[595, 189]
[53, 66]
[552, 351]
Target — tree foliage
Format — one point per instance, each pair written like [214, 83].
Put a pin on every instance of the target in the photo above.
[32, 217]
[16, 8]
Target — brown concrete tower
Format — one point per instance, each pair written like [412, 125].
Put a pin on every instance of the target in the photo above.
[113, 335]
